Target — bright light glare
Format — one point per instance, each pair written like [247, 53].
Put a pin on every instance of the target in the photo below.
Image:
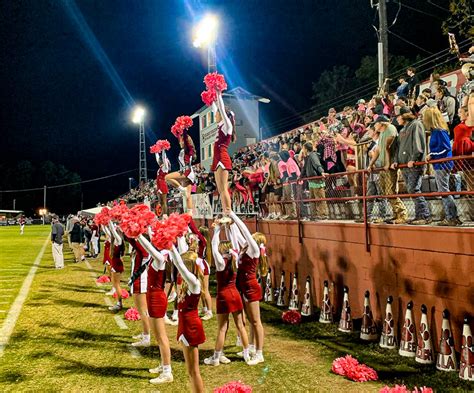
[138, 115]
[206, 31]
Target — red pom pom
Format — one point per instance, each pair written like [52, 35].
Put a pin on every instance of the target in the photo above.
[181, 124]
[159, 146]
[132, 314]
[118, 211]
[125, 294]
[208, 97]
[103, 217]
[349, 367]
[233, 387]
[215, 81]
[103, 279]
[292, 317]
[166, 232]
[404, 389]
[136, 220]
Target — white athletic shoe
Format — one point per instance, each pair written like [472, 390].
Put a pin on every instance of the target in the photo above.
[224, 360]
[111, 292]
[207, 316]
[144, 342]
[169, 321]
[162, 378]
[211, 361]
[116, 308]
[254, 360]
[174, 316]
[138, 336]
[157, 370]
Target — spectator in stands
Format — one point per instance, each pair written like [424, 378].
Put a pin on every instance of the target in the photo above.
[413, 83]
[273, 188]
[436, 81]
[403, 88]
[468, 86]
[378, 106]
[382, 157]
[463, 143]
[420, 105]
[446, 104]
[440, 147]
[411, 149]
[428, 93]
[312, 168]
[289, 171]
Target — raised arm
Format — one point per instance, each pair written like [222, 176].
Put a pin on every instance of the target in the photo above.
[157, 158]
[253, 251]
[193, 283]
[115, 235]
[220, 263]
[158, 259]
[202, 240]
[235, 232]
[165, 167]
[107, 231]
[227, 128]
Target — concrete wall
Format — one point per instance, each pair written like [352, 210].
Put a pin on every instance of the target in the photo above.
[429, 265]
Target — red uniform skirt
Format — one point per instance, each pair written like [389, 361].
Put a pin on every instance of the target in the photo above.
[228, 300]
[189, 324]
[249, 287]
[161, 183]
[203, 265]
[116, 265]
[221, 155]
[106, 259]
[157, 303]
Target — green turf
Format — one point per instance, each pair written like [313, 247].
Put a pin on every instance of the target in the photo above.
[66, 340]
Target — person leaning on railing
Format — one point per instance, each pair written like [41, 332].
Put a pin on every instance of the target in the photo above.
[312, 167]
[411, 149]
[383, 157]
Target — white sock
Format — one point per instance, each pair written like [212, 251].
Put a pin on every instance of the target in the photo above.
[251, 348]
[204, 309]
[217, 354]
[146, 337]
[259, 353]
[246, 353]
[167, 369]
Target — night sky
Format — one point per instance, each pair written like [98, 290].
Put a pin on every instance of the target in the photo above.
[69, 71]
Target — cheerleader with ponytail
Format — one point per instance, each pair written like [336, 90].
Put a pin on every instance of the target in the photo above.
[157, 303]
[116, 263]
[222, 164]
[228, 300]
[190, 330]
[164, 167]
[251, 255]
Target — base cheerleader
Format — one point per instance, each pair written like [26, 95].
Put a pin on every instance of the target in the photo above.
[116, 264]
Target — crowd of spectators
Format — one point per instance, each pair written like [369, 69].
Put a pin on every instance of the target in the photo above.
[379, 134]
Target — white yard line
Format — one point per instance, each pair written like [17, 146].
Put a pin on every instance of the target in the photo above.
[120, 322]
[15, 310]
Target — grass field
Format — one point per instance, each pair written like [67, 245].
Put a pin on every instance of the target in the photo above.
[66, 340]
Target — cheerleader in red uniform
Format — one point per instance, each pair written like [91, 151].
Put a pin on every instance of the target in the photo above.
[190, 330]
[221, 164]
[163, 169]
[200, 245]
[139, 257]
[250, 256]
[185, 178]
[106, 260]
[228, 300]
[116, 264]
[157, 303]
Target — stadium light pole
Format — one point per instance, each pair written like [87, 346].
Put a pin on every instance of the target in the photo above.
[138, 117]
[205, 35]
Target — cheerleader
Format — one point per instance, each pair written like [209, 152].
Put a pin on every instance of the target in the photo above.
[157, 303]
[250, 256]
[199, 245]
[221, 164]
[190, 330]
[139, 257]
[163, 169]
[185, 178]
[228, 300]
[116, 264]
[106, 261]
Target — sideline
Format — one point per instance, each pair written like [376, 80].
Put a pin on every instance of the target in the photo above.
[15, 310]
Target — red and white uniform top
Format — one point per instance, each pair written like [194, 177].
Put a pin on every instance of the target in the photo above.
[164, 164]
[221, 158]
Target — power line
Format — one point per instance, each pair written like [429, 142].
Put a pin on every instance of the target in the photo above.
[420, 11]
[71, 184]
[409, 42]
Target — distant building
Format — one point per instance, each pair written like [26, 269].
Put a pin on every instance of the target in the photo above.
[245, 106]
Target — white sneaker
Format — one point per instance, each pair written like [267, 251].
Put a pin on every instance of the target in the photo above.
[111, 292]
[255, 360]
[211, 361]
[138, 336]
[172, 297]
[157, 370]
[207, 316]
[168, 321]
[162, 378]
[174, 316]
[224, 360]
[116, 308]
[144, 342]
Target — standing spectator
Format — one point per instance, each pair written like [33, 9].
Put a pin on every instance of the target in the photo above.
[95, 235]
[468, 87]
[440, 147]
[403, 89]
[382, 157]
[57, 232]
[312, 168]
[463, 144]
[77, 237]
[413, 83]
[289, 171]
[411, 149]
[22, 224]
[447, 105]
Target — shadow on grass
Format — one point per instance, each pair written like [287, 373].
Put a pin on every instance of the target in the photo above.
[75, 367]
[153, 352]
[390, 367]
[12, 377]
[94, 337]
[75, 303]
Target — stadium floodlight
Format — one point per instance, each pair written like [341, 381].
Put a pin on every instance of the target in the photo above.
[138, 115]
[205, 32]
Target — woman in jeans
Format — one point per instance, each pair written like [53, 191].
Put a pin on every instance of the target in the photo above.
[440, 147]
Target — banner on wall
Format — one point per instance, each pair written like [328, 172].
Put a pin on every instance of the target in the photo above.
[202, 206]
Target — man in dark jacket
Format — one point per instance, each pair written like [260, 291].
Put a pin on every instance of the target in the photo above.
[77, 238]
[411, 149]
[312, 167]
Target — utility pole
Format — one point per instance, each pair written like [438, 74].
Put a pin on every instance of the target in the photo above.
[382, 34]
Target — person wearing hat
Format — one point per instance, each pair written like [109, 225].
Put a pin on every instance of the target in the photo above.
[57, 232]
[382, 157]
[77, 237]
[411, 149]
